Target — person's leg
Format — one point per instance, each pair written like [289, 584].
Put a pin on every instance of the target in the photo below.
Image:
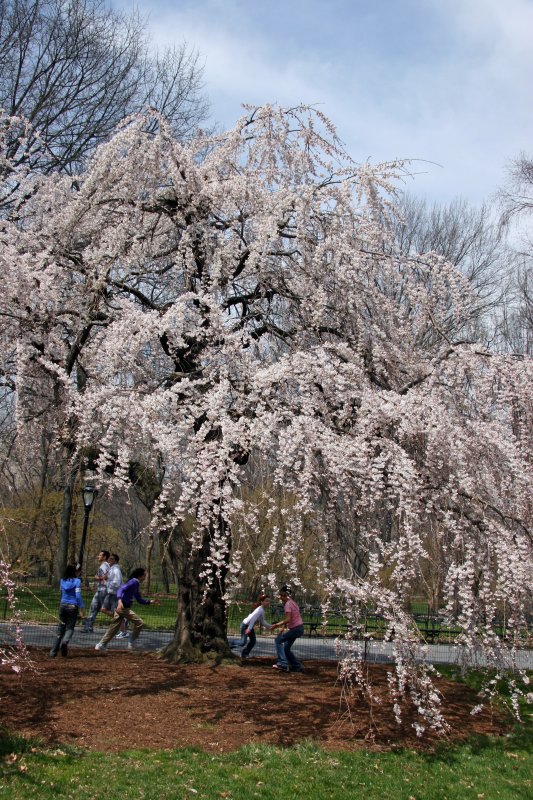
[292, 635]
[136, 621]
[71, 617]
[113, 628]
[280, 650]
[109, 605]
[60, 631]
[96, 605]
[251, 643]
[242, 641]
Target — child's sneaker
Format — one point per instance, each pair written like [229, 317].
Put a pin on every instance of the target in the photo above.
[100, 646]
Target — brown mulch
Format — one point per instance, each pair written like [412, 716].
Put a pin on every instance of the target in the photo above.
[123, 700]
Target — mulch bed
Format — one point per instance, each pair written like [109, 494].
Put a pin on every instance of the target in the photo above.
[122, 700]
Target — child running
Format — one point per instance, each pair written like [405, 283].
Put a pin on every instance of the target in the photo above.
[126, 594]
[248, 638]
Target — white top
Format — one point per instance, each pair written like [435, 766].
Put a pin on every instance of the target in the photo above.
[114, 579]
[257, 615]
[101, 584]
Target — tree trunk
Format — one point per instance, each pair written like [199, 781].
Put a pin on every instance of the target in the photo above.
[201, 625]
[165, 573]
[149, 549]
[71, 473]
[42, 486]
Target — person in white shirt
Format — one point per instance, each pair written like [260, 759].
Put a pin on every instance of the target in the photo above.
[114, 581]
[248, 638]
[100, 593]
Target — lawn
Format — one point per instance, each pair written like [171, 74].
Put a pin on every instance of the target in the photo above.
[483, 769]
[243, 731]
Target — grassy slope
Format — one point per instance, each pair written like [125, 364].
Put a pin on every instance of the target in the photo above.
[483, 769]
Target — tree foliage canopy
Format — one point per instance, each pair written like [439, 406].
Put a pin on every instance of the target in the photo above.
[242, 294]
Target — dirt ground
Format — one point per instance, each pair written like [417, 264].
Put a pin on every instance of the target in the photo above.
[125, 700]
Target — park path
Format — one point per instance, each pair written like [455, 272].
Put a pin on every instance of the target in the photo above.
[307, 647]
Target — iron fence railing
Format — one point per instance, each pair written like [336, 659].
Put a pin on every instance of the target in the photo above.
[37, 605]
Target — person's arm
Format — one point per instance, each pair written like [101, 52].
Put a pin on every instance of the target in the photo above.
[285, 621]
[143, 600]
[79, 600]
[252, 619]
[262, 621]
[120, 595]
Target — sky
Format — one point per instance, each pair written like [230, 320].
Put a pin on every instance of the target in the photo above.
[447, 83]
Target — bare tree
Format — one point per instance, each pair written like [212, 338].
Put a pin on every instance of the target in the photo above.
[515, 321]
[469, 238]
[75, 68]
[516, 198]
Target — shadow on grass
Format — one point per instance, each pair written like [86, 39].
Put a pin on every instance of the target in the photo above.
[520, 740]
[12, 743]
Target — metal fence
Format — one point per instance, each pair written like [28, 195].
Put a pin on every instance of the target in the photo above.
[37, 607]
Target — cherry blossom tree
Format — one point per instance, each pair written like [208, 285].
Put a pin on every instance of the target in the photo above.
[241, 294]
[13, 652]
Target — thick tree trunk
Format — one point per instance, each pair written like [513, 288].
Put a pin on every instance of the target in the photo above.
[201, 625]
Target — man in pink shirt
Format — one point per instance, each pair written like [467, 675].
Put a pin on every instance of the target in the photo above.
[295, 628]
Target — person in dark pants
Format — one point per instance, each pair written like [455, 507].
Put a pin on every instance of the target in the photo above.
[295, 628]
[70, 605]
[248, 638]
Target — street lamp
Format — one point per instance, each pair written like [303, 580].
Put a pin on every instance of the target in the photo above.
[89, 495]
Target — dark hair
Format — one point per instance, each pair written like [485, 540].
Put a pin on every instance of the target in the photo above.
[114, 555]
[286, 590]
[260, 600]
[105, 552]
[137, 573]
[70, 571]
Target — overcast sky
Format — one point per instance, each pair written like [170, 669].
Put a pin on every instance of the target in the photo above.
[444, 81]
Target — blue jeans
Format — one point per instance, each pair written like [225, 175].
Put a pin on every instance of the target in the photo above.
[250, 637]
[68, 615]
[96, 605]
[284, 642]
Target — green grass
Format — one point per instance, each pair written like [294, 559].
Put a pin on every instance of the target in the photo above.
[483, 769]
[40, 604]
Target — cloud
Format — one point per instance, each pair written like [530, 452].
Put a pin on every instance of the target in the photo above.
[447, 82]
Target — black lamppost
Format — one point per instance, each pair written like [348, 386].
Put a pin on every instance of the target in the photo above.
[89, 494]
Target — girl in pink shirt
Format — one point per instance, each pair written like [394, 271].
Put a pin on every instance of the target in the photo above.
[295, 628]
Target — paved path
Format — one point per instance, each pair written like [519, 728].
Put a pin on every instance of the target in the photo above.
[307, 647]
